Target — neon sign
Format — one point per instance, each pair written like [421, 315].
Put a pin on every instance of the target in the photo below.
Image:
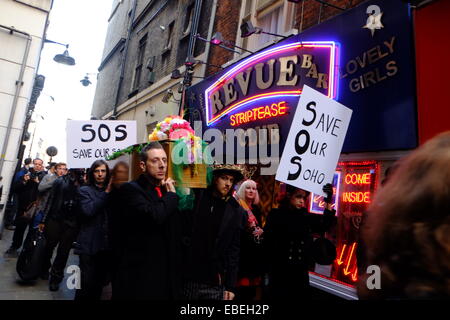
[259, 113]
[220, 103]
[357, 178]
[348, 263]
[317, 204]
[356, 197]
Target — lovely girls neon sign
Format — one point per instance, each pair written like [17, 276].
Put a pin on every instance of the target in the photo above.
[242, 72]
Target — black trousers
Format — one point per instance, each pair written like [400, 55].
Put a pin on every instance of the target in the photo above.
[95, 274]
[11, 210]
[61, 234]
[21, 226]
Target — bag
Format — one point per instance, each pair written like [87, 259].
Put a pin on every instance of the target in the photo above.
[29, 263]
[323, 251]
[31, 210]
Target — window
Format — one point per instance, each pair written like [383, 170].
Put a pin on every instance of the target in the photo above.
[271, 22]
[188, 20]
[139, 62]
[274, 16]
[169, 36]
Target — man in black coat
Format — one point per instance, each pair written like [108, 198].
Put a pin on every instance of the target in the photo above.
[145, 236]
[60, 225]
[213, 239]
[26, 188]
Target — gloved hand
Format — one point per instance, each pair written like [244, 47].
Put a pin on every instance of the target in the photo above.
[328, 189]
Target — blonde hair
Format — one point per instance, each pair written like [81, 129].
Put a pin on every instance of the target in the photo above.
[241, 191]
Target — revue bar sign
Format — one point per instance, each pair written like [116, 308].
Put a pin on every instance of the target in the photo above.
[274, 74]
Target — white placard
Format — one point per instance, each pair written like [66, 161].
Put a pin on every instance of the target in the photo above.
[92, 140]
[314, 142]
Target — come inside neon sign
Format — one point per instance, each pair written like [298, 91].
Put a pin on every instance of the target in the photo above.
[242, 72]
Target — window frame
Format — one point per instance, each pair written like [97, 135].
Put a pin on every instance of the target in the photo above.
[257, 13]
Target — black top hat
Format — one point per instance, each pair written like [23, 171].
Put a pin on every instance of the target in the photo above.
[231, 169]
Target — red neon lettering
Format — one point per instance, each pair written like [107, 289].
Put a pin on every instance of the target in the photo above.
[258, 113]
[356, 197]
[357, 178]
[282, 108]
[340, 261]
[274, 109]
[350, 256]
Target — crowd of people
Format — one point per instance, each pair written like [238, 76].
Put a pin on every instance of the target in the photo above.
[133, 236]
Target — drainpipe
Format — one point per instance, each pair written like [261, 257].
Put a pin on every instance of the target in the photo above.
[210, 31]
[124, 60]
[187, 81]
[19, 84]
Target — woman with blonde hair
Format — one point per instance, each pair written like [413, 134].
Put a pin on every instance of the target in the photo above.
[407, 231]
[250, 263]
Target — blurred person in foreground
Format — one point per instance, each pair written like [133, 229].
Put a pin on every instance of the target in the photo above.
[407, 232]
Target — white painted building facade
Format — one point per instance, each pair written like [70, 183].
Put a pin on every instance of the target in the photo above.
[22, 31]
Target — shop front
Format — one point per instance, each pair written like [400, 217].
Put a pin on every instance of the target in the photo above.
[362, 58]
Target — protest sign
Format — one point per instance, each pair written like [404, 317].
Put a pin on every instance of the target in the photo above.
[314, 142]
[92, 140]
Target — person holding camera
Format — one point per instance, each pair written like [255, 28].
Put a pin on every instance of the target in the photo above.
[26, 189]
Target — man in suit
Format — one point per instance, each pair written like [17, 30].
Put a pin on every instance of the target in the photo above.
[145, 238]
[213, 239]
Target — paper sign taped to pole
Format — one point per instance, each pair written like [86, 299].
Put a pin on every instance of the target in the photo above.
[314, 142]
[92, 140]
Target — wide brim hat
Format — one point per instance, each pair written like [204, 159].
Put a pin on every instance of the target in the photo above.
[231, 169]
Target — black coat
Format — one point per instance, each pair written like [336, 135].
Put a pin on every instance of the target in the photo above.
[227, 244]
[93, 235]
[146, 243]
[27, 192]
[63, 203]
[287, 244]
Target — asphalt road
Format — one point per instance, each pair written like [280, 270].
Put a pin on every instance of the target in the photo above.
[11, 288]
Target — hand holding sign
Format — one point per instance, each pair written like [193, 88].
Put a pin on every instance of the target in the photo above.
[314, 143]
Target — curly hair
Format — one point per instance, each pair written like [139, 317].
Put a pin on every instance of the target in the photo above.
[407, 228]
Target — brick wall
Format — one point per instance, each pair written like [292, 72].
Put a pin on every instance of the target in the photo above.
[315, 12]
[226, 22]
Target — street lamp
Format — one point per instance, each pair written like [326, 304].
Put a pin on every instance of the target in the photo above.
[191, 61]
[247, 29]
[63, 58]
[217, 40]
[85, 81]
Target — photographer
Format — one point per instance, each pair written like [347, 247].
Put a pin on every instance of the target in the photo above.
[26, 189]
[60, 225]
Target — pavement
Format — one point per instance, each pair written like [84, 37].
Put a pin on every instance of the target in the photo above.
[11, 288]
